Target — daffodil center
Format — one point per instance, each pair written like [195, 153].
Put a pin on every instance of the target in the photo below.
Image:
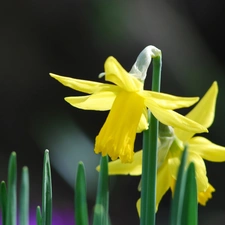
[117, 135]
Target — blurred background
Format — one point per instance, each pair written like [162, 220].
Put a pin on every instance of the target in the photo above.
[74, 38]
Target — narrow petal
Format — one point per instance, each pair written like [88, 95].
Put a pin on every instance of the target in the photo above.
[102, 100]
[202, 113]
[78, 84]
[206, 149]
[200, 170]
[204, 196]
[143, 124]
[118, 168]
[116, 74]
[171, 118]
[138, 205]
[168, 101]
[172, 186]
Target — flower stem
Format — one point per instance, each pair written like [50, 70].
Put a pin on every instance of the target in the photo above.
[149, 165]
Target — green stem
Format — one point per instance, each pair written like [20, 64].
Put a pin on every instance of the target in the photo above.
[149, 163]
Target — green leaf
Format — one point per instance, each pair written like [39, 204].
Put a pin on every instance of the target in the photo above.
[3, 201]
[178, 199]
[81, 212]
[190, 205]
[24, 197]
[99, 213]
[101, 216]
[38, 216]
[11, 199]
[46, 191]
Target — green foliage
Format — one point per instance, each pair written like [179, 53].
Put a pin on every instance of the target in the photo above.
[46, 191]
[38, 216]
[81, 212]
[24, 197]
[184, 204]
[102, 199]
[184, 208]
[178, 200]
[8, 195]
[11, 208]
[3, 201]
[190, 206]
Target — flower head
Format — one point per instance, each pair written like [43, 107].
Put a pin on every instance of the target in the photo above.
[128, 103]
[170, 150]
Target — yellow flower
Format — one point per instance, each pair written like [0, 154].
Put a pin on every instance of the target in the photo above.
[128, 103]
[199, 148]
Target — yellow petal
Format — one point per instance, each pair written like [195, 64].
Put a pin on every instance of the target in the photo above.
[200, 170]
[116, 74]
[163, 182]
[202, 113]
[162, 185]
[78, 84]
[143, 124]
[138, 205]
[102, 100]
[168, 101]
[118, 168]
[204, 196]
[206, 149]
[172, 186]
[116, 138]
[171, 118]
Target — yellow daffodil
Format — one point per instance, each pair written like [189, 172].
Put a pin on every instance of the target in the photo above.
[128, 103]
[199, 148]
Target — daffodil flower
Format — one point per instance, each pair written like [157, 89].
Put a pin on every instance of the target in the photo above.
[171, 148]
[128, 103]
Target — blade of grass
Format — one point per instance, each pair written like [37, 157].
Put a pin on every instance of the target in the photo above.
[3, 201]
[190, 206]
[101, 216]
[24, 197]
[81, 212]
[11, 196]
[46, 191]
[38, 216]
[178, 199]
